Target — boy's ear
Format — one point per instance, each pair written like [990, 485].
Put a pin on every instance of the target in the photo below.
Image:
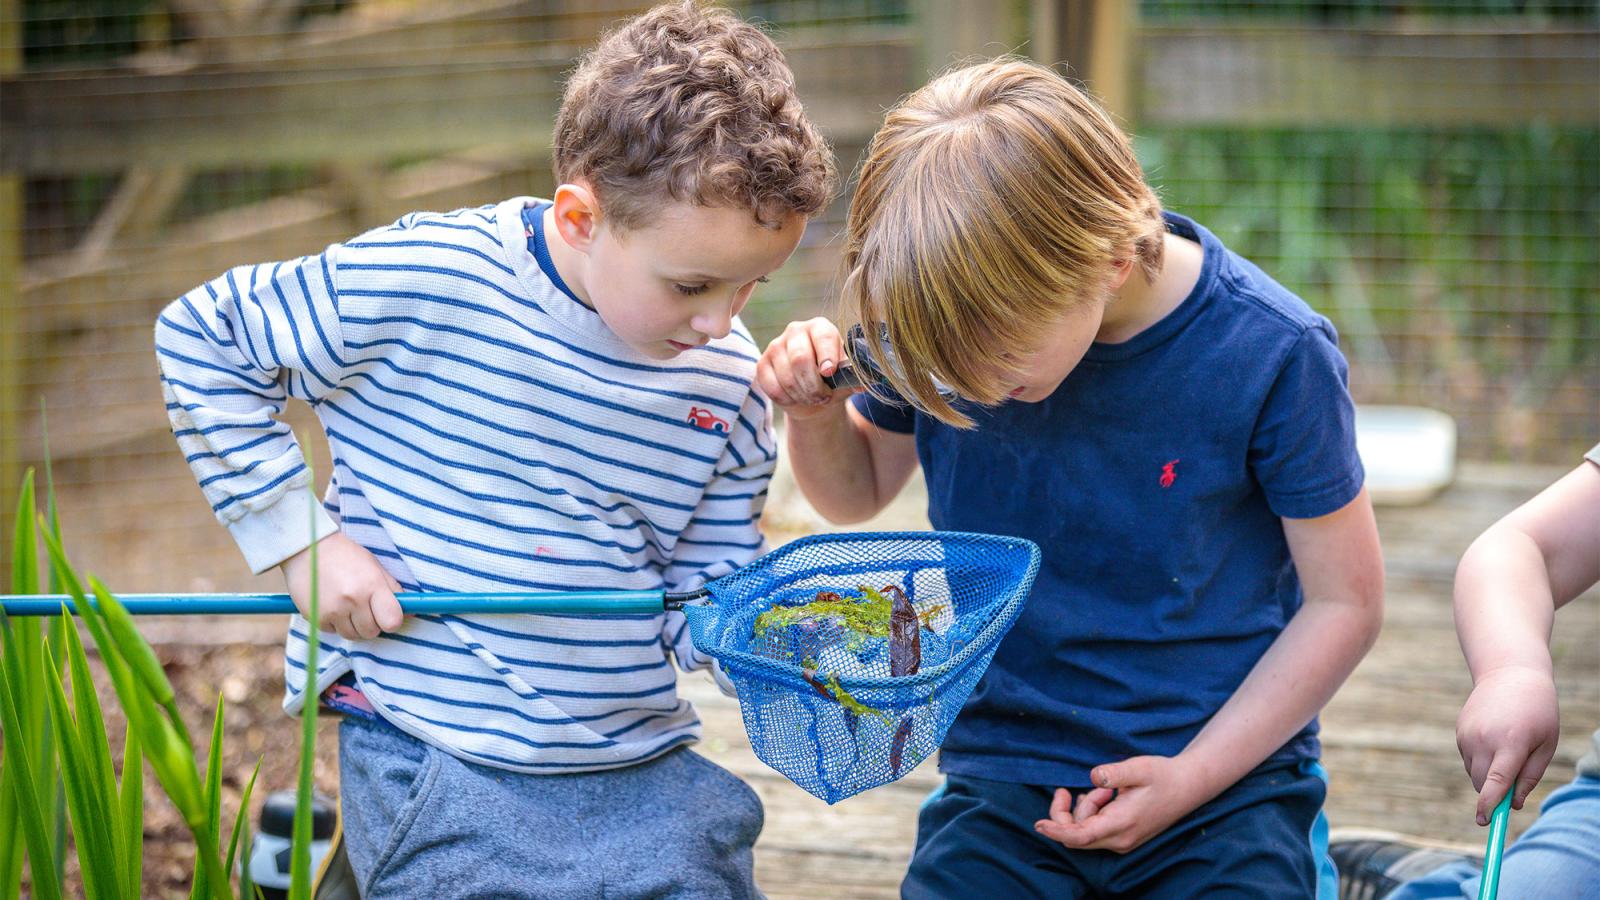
[577, 215]
[1121, 268]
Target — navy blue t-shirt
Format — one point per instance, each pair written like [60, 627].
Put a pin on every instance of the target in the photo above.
[1153, 479]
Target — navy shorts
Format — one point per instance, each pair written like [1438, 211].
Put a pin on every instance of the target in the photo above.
[976, 839]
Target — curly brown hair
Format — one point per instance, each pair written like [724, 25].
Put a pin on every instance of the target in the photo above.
[691, 104]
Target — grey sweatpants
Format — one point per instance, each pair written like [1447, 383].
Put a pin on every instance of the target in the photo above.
[419, 822]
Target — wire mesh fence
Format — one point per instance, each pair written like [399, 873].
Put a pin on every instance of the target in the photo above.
[1425, 173]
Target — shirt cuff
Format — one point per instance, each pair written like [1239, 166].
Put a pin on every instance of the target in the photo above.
[270, 536]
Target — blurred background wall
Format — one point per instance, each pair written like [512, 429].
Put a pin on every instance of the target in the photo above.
[1424, 172]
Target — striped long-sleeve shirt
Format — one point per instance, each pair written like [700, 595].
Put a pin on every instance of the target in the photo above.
[489, 433]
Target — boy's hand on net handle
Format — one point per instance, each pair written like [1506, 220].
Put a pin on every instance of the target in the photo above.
[356, 595]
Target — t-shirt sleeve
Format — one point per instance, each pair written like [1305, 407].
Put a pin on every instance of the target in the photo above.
[1593, 455]
[887, 412]
[1303, 451]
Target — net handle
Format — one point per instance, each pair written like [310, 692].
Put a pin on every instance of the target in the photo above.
[412, 603]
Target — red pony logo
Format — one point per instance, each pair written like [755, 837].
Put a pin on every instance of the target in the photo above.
[1168, 475]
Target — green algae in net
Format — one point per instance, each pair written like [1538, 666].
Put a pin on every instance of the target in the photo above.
[886, 614]
[833, 690]
[864, 615]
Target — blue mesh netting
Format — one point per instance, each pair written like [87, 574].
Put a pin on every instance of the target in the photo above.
[967, 590]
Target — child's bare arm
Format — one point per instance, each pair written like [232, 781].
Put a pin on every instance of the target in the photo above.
[1340, 565]
[845, 466]
[1508, 586]
[1341, 572]
[848, 468]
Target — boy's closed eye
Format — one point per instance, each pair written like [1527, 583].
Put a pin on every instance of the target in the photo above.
[690, 290]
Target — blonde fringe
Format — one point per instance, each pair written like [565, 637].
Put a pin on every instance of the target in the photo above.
[991, 202]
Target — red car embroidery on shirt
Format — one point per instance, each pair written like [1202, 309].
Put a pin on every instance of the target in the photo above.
[702, 418]
[1168, 475]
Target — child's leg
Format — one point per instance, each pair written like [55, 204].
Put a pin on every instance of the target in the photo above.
[385, 778]
[681, 827]
[1558, 856]
[976, 839]
[421, 823]
[1255, 840]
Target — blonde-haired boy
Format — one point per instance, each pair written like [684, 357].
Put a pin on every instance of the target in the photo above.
[1171, 426]
[525, 396]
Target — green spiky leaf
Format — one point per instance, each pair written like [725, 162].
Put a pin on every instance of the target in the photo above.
[29, 805]
[89, 815]
[131, 827]
[240, 829]
[300, 850]
[95, 752]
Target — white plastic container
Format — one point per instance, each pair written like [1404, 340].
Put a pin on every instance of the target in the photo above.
[1409, 452]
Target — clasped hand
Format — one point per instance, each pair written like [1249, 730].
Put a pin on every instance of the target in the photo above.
[1132, 801]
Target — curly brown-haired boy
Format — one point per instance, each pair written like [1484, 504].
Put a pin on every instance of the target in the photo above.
[531, 395]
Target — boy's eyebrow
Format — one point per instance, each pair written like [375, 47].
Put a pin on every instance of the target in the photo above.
[701, 276]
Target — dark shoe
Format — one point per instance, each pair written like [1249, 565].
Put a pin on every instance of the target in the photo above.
[1373, 864]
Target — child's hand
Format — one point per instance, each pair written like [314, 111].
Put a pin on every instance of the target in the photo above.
[790, 371]
[355, 595]
[1508, 731]
[1136, 800]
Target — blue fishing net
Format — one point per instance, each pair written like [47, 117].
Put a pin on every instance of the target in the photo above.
[819, 702]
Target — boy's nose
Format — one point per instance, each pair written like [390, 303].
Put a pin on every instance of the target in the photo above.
[715, 324]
